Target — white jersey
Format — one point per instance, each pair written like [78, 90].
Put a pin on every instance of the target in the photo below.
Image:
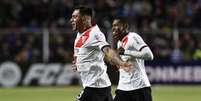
[89, 58]
[137, 78]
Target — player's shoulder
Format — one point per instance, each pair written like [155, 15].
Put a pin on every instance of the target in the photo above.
[97, 33]
[134, 35]
[96, 29]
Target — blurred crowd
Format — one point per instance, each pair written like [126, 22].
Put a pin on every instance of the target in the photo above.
[170, 27]
[29, 47]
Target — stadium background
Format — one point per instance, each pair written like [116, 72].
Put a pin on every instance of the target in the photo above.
[37, 44]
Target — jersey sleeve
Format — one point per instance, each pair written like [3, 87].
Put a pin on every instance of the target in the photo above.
[99, 40]
[138, 42]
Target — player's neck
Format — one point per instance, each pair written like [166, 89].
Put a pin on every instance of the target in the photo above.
[85, 27]
[123, 34]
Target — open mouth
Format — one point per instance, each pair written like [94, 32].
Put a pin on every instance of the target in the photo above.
[115, 32]
[73, 25]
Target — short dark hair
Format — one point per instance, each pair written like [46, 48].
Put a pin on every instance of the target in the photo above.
[121, 19]
[84, 10]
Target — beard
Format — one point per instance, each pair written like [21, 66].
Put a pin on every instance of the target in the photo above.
[74, 28]
[116, 34]
[119, 35]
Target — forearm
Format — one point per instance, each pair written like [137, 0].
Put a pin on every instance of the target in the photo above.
[116, 60]
[112, 56]
[145, 54]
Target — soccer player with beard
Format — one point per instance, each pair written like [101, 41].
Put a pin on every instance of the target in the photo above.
[90, 47]
[133, 86]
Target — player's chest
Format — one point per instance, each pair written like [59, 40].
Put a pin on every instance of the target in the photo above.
[83, 46]
[81, 41]
[126, 44]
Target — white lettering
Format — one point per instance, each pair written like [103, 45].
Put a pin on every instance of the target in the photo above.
[161, 74]
[66, 75]
[187, 70]
[197, 74]
[10, 74]
[175, 74]
[35, 73]
[50, 73]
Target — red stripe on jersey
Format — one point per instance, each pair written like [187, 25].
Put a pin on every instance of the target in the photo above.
[124, 41]
[83, 38]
